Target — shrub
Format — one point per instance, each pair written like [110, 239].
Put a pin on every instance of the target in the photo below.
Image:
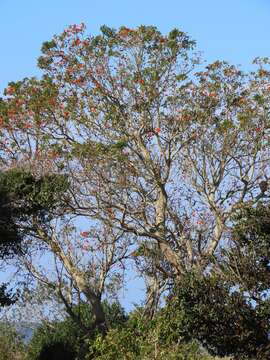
[11, 343]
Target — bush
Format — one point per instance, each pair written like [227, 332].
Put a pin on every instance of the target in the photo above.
[220, 318]
[50, 339]
[69, 336]
[140, 339]
[11, 344]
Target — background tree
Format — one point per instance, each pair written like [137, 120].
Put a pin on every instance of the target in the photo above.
[11, 235]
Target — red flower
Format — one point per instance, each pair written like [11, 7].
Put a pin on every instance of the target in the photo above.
[78, 81]
[85, 234]
[258, 129]
[96, 83]
[157, 130]
[19, 102]
[200, 222]
[76, 42]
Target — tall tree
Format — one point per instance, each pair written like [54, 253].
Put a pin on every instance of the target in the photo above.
[157, 154]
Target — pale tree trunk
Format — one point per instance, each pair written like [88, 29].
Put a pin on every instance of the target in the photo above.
[94, 297]
[153, 293]
[95, 301]
[169, 254]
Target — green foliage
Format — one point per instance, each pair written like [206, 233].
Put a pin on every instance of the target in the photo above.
[115, 314]
[47, 335]
[248, 261]
[107, 31]
[96, 150]
[11, 344]
[10, 235]
[132, 338]
[48, 45]
[28, 195]
[220, 318]
[74, 335]
[140, 339]
[7, 298]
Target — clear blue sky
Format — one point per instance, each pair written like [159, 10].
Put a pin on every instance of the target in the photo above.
[233, 30]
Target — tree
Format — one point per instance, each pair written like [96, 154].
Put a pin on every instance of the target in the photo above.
[158, 155]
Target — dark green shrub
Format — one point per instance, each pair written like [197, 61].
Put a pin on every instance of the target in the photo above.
[11, 343]
[72, 336]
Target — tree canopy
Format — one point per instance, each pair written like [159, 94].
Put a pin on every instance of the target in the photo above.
[130, 153]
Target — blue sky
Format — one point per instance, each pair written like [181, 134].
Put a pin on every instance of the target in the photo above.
[233, 30]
